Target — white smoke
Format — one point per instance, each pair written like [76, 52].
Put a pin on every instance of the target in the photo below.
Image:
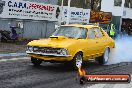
[122, 51]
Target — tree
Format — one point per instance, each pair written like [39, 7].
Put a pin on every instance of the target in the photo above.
[77, 3]
[83, 4]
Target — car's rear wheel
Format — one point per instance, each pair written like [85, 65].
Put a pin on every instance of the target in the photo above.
[77, 60]
[104, 58]
[36, 61]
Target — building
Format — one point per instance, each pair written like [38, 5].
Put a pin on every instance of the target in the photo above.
[121, 11]
[29, 28]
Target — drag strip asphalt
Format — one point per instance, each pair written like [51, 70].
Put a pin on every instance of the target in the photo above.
[20, 73]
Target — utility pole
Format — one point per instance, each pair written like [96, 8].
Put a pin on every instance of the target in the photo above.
[100, 5]
[84, 4]
[68, 12]
[62, 4]
[122, 7]
[92, 4]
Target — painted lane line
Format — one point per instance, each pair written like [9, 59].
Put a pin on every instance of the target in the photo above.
[14, 59]
[20, 54]
[13, 54]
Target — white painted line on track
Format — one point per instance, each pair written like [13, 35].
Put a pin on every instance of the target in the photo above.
[14, 59]
[14, 54]
[129, 85]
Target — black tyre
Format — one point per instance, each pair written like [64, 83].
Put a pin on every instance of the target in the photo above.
[36, 61]
[77, 60]
[104, 58]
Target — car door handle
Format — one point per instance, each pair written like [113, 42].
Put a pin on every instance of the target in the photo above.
[97, 42]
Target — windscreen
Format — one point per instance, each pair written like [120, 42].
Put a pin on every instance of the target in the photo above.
[71, 32]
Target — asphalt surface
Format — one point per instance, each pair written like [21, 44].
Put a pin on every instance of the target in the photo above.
[6, 48]
[20, 73]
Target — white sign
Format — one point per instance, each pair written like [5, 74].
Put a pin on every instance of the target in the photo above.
[77, 15]
[28, 10]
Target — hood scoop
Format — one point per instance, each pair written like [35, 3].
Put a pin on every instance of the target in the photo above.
[57, 37]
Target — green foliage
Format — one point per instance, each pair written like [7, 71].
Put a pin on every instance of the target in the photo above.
[77, 3]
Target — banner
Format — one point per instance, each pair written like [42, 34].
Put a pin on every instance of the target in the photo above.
[77, 15]
[100, 17]
[40, 11]
[28, 10]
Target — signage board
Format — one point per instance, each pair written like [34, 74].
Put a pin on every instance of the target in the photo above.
[77, 15]
[100, 17]
[28, 10]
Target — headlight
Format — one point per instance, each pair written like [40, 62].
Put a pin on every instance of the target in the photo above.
[35, 49]
[63, 52]
[30, 48]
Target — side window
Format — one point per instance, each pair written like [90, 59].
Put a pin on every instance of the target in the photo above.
[98, 33]
[91, 34]
[83, 33]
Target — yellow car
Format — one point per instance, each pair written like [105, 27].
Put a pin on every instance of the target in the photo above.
[74, 44]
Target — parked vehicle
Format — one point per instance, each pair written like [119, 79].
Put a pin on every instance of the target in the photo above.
[74, 44]
[7, 36]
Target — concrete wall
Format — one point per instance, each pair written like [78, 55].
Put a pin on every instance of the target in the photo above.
[108, 6]
[127, 13]
[117, 11]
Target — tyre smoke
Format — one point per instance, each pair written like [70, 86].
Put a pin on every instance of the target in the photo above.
[122, 51]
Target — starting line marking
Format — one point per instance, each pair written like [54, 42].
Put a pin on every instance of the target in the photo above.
[13, 54]
[14, 59]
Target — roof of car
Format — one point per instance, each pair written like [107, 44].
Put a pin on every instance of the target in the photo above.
[88, 26]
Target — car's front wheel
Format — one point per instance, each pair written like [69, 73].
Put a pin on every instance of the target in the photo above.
[104, 58]
[77, 61]
[36, 61]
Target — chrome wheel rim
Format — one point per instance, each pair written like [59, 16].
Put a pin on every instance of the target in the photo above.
[79, 61]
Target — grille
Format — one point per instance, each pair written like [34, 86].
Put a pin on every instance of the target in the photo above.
[46, 50]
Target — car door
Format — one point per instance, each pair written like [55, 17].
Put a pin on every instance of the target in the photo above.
[100, 40]
[92, 44]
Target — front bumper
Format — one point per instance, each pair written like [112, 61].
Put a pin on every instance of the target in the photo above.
[49, 57]
[45, 54]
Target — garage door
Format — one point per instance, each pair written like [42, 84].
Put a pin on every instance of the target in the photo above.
[34, 29]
